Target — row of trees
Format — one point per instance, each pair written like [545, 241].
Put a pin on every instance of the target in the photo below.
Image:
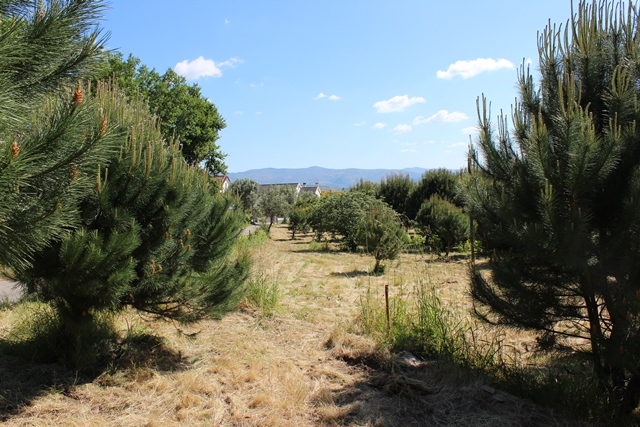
[98, 209]
[432, 206]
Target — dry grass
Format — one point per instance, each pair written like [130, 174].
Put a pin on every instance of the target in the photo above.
[303, 366]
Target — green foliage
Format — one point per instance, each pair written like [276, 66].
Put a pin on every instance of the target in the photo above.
[443, 220]
[263, 294]
[49, 142]
[300, 215]
[153, 235]
[368, 187]
[395, 190]
[184, 113]
[246, 190]
[36, 335]
[341, 214]
[275, 201]
[557, 199]
[442, 182]
[381, 234]
[420, 322]
[252, 240]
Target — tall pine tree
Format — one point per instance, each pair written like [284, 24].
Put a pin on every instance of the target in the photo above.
[557, 200]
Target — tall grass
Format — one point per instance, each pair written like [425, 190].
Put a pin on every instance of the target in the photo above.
[263, 295]
[420, 323]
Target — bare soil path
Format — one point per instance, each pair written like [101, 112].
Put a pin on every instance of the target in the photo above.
[304, 366]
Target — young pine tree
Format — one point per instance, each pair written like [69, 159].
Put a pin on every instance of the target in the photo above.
[381, 234]
[154, 235]
[557, 201]
[50, 138]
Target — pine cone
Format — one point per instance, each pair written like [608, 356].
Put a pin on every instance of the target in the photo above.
[103, 126]
[15, 149]
[78, 95]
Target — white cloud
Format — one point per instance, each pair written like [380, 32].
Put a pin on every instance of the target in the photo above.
[258, 113]
[226, 21]
[322, 95]
[471, 68]
[402, 128]
[431, 141]
[470, 130]
[239, 113]
[255, 85]
[202, 67]
[397, 103]
[459, 144]
[359, 123]
[230, 63]
[408, 151]
[379, 125]
[442, 116]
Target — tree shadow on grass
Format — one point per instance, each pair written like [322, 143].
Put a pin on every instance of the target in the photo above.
[351, 274]
[23, 381]
[425, 393]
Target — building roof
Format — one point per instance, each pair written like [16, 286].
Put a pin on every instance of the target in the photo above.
[221, 178]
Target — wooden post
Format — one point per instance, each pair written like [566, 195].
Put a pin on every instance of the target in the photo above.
[471, 230]
[386, 300]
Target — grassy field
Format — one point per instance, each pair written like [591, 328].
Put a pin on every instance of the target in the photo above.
[292, 355]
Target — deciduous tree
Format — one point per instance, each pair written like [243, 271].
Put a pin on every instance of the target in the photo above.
[184, 113]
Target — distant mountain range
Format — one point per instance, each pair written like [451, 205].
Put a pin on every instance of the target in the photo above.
[327, 178]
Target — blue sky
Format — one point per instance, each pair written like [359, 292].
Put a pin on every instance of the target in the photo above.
[340, 83]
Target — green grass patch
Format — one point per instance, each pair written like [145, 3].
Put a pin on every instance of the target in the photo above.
[263, 295]
[40, 335]
[418, 322]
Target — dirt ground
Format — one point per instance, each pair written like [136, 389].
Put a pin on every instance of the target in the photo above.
[303, 366]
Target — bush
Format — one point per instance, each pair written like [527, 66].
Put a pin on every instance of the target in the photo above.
[442, 223]
[340, 214]
[382, 234]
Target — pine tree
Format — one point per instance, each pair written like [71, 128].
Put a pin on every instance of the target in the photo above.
[50, 139]
[442, 219]
[557, 200]
[154, 234]
[381, 234]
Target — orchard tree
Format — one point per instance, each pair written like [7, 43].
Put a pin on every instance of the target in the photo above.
[184, 113]
[394, 190]
[381, 234]
[340, 215]
[442, 182]
[275, 201]
[50, 140]
[440, 218]
[300, 215]
[246, 190]
[557, 199]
